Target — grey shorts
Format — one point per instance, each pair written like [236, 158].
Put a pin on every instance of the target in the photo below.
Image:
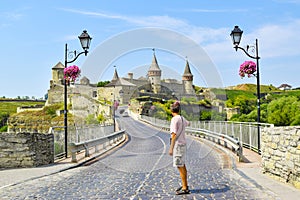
[179, 155]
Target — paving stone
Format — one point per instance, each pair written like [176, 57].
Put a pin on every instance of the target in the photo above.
[142, 169]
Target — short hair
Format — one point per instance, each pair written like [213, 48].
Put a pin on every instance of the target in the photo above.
[175, 107]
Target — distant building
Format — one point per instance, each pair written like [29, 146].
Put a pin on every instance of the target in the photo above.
[284, 87]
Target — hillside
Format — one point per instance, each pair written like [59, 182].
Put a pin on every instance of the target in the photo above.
[10, 106]
[253, 88]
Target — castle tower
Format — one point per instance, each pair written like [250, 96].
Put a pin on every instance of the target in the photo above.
[154, 75]
[187, 80]
[115, 77]
[57, 74]
[130, 75]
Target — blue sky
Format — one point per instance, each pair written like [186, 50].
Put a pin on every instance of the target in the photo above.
[34, 33]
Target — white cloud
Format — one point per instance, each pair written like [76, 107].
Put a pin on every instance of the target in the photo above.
[278, 40]
[288, 1]
[9, 17]
[157, 21]
[12, 15]
[214, 10]
[275, 40]
[199, 34]
[286, 37]
[70, 37]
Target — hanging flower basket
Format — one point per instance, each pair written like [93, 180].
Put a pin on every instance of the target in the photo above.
[249, 68]
[71, 73]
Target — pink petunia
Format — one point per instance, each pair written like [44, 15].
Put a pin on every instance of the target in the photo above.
[71, 73]
[247, 67]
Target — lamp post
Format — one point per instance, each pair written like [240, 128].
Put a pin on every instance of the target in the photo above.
[85, 40]
[236, 35]
[114, 110]
[121, 94]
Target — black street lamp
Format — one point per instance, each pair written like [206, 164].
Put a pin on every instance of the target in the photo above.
[114, 110]
[236, 35]
[85, 41]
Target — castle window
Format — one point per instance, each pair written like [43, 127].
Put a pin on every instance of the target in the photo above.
[94, 93]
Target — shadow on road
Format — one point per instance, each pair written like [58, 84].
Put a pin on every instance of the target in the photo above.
[220, 189]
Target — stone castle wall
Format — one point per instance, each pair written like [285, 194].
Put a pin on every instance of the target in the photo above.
[281, 153]
[26, 149]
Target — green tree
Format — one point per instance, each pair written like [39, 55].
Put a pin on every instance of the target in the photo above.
[296, 120]
[101, 118]
[102, 83]
[162, 111]
[205, 115]
[3, 128]
[90, 119]
[229, 103]
[284, 111]
[204, 102]
[245, 104]
[3, 120]
[217, 116]
[188, 100]
[263, 113]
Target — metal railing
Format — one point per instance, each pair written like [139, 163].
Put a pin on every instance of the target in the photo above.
[244, 132]
[77, 135]
[98, 144]
[228, 142]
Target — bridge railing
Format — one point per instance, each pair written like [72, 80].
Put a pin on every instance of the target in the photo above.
[228, 142]
[77, 135]
[221, 139]
[244, 132]
[98, 144]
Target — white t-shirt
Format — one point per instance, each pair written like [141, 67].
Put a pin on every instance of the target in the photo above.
[178, 128]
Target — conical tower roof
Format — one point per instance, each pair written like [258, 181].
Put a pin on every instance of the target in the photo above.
[154, 65]
[187, 75]
[115, 77]
[59, 65]
[187, 70]
[154, 70]
[117, 81]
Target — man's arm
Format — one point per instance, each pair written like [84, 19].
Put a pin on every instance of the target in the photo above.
[173, 136]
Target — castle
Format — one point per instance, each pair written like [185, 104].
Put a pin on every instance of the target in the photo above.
[123, 89]
[85, 95]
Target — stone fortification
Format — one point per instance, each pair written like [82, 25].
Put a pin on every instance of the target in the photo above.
[26, 149]
[281, 153]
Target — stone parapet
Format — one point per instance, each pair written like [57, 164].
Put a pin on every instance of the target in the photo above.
[281, 153]
[26, 149]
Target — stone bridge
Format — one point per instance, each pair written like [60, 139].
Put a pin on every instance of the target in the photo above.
[141, 169]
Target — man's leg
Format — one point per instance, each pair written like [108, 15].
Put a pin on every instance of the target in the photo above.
[183, 175]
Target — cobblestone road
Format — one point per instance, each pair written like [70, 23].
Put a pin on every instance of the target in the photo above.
[142, 169]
